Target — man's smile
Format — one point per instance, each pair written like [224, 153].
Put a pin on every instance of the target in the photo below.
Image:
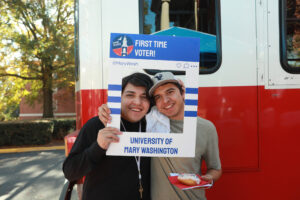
[169, 106]
[136, 109]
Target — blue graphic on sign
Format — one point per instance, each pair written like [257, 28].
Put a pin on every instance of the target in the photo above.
[153, 47]
[122, 45]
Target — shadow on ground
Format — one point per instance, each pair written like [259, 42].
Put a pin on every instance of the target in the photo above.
[31, 175]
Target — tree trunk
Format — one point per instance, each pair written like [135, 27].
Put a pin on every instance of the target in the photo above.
[47, 93]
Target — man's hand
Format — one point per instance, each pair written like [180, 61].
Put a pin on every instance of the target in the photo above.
[207, 177]
[107, 136]
[104, 114]
[212, 175]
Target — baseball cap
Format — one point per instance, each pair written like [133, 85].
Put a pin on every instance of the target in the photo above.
[160, 79]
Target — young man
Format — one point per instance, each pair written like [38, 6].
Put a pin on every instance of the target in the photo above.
[168, 96]
[113, 177]
[169, 100]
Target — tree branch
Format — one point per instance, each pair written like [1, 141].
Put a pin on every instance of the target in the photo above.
[27, 24]
[22, 77]
[58, 12]
[64, 65]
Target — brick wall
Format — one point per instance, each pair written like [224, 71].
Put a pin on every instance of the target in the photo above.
[63, 105]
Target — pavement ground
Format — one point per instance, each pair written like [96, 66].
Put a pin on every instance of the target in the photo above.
[32, 172]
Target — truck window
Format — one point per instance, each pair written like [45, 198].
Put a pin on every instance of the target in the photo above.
[290, 35]
[191, 18]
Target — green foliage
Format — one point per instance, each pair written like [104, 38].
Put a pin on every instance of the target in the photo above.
[62, 127]
[36, 49]
[25, 132]
[34, 132]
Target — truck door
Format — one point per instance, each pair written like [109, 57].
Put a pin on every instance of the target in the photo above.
[283, 64]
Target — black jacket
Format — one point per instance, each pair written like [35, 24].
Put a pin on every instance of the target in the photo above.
[107, 177]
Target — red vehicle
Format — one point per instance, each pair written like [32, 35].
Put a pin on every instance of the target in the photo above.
[249, 80]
